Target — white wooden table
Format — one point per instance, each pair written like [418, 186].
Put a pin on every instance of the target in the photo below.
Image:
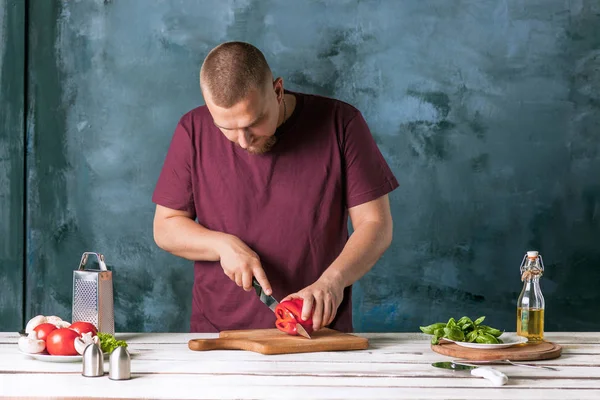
[397, 365]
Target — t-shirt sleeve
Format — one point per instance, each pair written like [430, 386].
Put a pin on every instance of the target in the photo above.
[174, 187]
[368, 175]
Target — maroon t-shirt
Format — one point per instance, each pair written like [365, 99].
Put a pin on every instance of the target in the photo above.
[289, 205]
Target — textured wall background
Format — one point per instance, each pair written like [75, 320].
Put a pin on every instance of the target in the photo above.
[488, 112]
[12, 71]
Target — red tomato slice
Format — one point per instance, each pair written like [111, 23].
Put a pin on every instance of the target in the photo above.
[61, 342]
[82, 327]
[43, 330]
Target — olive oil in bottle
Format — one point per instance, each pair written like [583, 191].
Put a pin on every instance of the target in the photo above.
[530, 323]
[531, 305]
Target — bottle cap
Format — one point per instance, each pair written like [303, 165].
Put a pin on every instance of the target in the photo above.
[532, 254]
[120, 364]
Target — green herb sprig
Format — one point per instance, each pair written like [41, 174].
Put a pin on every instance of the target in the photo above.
[108, 342]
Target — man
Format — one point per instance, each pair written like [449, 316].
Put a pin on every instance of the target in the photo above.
[260, 182]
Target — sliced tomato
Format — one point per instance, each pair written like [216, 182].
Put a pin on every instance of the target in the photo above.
[61, 342]
[82, 327]
[43, 330]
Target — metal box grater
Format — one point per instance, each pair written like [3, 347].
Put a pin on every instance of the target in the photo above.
[93, 295]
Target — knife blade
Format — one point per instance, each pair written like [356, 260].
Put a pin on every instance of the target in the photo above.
[499, 361]
[496, 377]
[265, 298]
[302, 331]
[272, 303]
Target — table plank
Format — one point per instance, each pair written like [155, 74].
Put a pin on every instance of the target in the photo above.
[240, 386]
[158, 362]
[404, 337]
[417, 354]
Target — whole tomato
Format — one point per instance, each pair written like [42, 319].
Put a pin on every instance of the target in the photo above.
[82, 327]
[43, 330]
[61, 342]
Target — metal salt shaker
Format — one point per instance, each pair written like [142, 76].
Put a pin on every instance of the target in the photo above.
[93, 361]
[119, 364]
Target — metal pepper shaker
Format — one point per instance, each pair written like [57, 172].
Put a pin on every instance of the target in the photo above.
[93, 361]
[119, 364]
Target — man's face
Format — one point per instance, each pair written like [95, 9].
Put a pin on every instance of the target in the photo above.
[251, 123]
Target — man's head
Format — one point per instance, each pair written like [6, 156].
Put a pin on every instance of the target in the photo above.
[241, 95]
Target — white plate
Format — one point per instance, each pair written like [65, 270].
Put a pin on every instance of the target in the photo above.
[59, 359]
[508, 339]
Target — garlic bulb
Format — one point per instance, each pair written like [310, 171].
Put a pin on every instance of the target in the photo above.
[35, 321]
[31, 344]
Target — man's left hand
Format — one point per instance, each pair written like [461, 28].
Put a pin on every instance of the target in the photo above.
[324, 296]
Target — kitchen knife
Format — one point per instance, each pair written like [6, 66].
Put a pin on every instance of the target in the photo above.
[496, 377]
[272, 304]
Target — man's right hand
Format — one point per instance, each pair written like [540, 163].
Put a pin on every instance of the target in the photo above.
[240, 264]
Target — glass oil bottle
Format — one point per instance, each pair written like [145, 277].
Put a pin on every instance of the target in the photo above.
[530, 306]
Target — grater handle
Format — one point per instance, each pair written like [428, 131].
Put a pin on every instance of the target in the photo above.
[99, 256]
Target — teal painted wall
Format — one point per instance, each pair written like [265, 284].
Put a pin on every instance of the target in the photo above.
[488, 113]
[12, 70]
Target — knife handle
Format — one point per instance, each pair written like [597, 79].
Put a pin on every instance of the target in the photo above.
[217, 344]
[493, 375]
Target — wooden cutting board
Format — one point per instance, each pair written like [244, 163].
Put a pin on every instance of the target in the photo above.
[518, 352]
[273, 341]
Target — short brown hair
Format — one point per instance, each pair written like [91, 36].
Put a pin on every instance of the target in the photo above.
[231, 70]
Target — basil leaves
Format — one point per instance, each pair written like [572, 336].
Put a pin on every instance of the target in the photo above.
[463, 330]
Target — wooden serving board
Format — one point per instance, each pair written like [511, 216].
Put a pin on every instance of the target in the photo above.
[273, 341]
[518, 352]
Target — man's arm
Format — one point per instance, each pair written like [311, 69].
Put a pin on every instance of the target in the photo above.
[373, 226]
[177, 233]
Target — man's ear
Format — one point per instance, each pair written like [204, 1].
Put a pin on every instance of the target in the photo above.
[278, 87]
